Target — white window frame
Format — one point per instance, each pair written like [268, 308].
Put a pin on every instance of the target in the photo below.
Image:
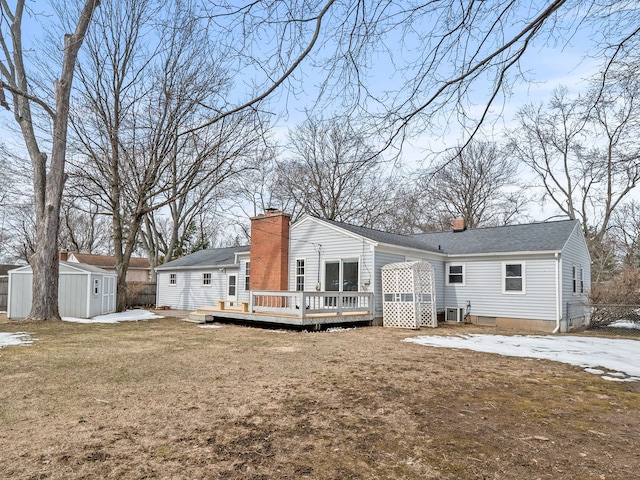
[207, 279]
[523, 268]
[298, 275]
[341, 262]
[173, 279]
[448, 273]
[247, 276]
[96, 287]
[581, 280]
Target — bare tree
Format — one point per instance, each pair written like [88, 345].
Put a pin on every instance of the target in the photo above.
[137, 95]
[48, 172]
[446, 47]
[82, 228]
[334, 173]
[478, 183]
[585, 155]
[626, 232]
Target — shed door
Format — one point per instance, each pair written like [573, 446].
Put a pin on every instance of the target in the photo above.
[108, 294]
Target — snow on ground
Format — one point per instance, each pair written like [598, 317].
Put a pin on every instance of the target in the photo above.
[19, 338]
[614, 359]
[625, 324]
[128, 316]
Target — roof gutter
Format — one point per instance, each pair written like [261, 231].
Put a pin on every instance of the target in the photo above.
[198, 267]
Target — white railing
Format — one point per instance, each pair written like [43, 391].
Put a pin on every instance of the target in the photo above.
[301, 304]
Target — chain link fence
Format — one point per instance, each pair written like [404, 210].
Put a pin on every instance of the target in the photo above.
[603, 316]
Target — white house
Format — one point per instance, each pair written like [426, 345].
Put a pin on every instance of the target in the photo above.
[532, 276]
[203, 278]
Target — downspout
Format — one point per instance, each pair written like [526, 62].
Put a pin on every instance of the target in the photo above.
[558, 293]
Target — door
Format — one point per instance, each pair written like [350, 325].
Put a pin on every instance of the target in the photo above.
[232, 287]
[108, 294]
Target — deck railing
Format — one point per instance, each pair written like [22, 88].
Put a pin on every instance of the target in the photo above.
[301, 304]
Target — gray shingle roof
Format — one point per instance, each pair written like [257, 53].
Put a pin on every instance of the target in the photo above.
[384, 237]
[210, 257]
[531, 237]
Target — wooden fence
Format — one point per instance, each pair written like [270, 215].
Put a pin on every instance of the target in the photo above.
[4, 293]
[141, 294]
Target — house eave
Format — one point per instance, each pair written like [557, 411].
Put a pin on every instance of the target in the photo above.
[198, 267]
[523, 253]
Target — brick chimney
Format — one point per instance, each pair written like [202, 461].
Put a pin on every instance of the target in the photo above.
[64, 255]
[459, 225]
[269, 255]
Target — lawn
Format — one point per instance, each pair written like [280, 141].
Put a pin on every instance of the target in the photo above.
[167, 399]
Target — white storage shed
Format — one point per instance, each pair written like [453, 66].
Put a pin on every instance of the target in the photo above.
[84, 291]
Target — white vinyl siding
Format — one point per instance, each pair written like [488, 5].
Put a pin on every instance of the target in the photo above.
[310, 237]
[189, 293]
[484, 284]
[575, 254]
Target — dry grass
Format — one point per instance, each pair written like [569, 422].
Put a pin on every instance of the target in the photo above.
[166, 399]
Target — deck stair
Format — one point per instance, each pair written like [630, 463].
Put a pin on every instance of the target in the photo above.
[199, 316]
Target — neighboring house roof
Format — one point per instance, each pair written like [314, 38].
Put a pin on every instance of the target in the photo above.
[4, 268]
[530, 237]
[109, 261]
[210, 257]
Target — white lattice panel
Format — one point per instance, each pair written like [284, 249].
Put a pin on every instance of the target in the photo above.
[409, 299]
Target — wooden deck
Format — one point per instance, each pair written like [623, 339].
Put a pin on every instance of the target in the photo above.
[283, 308]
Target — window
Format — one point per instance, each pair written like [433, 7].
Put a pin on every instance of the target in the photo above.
[172, 279]
[578, 280]
[232, 285]
[455, 274]
[300, 275]
[514, 278]
[206, 279]
[96, 286]
[341, 276]
[574, 276]
[247, 274]
[581, 281]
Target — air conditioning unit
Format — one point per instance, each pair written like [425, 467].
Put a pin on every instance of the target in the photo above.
[454, 314]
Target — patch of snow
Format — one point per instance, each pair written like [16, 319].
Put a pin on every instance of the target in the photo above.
[625, 324]
[19, 338]
[339, 329]
[619, 357]
[209, 326]
[128, 316]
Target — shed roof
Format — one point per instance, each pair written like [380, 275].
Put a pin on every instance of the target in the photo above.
[69, 267]
[210, 257]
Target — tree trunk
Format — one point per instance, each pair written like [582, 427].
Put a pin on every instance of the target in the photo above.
[45, 259]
